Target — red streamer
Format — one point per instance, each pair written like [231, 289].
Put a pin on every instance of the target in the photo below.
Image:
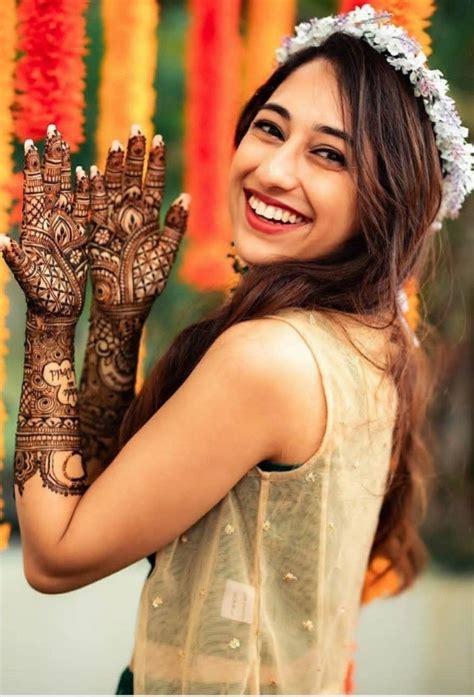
[213, 88]
[50, 76]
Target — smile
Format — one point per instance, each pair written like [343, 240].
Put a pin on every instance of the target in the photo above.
[271, 219]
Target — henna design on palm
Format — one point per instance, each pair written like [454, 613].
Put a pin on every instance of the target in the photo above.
[50, 260]
[130, 256]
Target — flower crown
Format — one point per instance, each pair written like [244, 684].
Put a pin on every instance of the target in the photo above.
[404, 53]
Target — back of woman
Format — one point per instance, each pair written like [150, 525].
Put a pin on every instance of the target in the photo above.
[262, 594]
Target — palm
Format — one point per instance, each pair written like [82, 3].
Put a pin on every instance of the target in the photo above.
[130, 257]
[50, 261]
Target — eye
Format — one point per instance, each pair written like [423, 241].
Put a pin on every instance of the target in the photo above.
[332, 155]
[267, 127]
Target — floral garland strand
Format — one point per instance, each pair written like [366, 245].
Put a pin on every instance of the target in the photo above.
[412, 15]
[126, 92]
[7, 58]
[212, 103]
[268, 22]
[50, 76]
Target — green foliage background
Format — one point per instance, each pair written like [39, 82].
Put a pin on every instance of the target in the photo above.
[449, 297]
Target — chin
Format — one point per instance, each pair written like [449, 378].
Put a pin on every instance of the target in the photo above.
[253, 250]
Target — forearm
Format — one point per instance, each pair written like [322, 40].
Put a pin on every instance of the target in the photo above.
[49, 476]
[107, 384]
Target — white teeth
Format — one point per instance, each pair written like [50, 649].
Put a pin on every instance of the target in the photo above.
[273, 212]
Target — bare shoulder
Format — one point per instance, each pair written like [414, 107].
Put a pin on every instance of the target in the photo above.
[273, 360]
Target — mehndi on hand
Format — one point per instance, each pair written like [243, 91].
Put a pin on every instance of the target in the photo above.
[50, 260]
[130, 255]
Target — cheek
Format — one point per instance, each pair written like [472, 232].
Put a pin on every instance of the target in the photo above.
[336, 197]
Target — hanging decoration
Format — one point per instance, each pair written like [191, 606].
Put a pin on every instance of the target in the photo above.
[126, 91]
[268, 23]
[412, 15]
[213, 67]
[7, 58]
[50, 75]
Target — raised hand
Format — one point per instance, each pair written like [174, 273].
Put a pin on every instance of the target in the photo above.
[50, 260]
[130, 256]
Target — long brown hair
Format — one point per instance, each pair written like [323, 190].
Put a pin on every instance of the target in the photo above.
[398, 197]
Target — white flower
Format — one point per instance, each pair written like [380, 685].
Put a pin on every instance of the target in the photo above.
[404, 53]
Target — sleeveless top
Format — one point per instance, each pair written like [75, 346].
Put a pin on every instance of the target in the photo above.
[262, 594]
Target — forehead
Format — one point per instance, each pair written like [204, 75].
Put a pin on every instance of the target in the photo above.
[311, 93]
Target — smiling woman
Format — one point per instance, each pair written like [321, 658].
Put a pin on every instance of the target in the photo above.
[275, 449]
[295, 156]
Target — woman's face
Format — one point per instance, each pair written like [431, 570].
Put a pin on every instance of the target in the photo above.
[292, 188]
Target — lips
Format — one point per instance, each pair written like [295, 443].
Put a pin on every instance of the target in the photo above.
[274, 202]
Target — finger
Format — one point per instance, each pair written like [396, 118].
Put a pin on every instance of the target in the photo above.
[114, 169]
[98, 195]
[22, 267]
[52, 165]
[65, 198]
[155, 175]
[174, 226]
[81, 208]
[134, 161]
[33, 192]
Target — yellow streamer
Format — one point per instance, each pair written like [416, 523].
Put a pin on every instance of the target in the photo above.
[7, 57]
[268, 23]
[126, 92]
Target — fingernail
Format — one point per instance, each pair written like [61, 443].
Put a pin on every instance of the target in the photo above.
[51, 130]
[157, 140]
[184, 200]
[80, 172]
[116, 146]
[5, 242]
[94, 170]
[136, 130]
[28, 145]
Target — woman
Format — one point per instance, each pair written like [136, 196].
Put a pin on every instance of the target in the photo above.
[275, 449]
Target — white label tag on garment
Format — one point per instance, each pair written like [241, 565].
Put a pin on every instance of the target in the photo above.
[238, 600]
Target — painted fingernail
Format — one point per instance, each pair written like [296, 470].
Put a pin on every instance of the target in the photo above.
[94, 171]
[136, 130]
[5, 242]
[80, 172]
[52, 130]
[116, 146]
[28, 145]
[157, 140]
[184, 201]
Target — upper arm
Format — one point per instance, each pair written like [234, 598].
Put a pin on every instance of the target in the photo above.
[228, 415]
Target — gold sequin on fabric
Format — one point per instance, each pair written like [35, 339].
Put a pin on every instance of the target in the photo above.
[308, 625]
[290, 577]
[267, 525]
[234, 643]
[183, 539]
[157, 601]
[229, 529]
[310, 477]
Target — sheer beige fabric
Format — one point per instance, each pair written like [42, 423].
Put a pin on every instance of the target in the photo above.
[262, 594]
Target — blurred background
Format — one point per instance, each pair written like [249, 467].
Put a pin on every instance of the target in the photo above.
[95, 67]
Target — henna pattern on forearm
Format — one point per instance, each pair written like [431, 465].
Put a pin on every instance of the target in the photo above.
[48, 436]
[50, 265]
[131, 259]
[108, 382]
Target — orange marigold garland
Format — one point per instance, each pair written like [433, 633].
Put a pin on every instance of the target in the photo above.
[7, 57]
[412, 15]
[212, 84]
[50, 77]
[268, 23]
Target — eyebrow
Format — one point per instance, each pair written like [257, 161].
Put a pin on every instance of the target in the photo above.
[320, 127]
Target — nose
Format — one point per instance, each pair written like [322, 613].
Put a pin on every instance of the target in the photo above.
[278, 169]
